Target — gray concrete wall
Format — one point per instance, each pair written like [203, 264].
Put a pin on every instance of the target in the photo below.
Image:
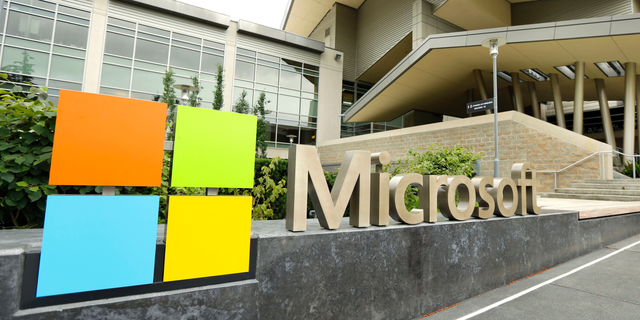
[394, 272]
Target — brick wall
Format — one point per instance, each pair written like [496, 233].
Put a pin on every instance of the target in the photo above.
[521, 138]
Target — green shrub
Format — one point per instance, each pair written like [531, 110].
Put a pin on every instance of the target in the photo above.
[628, 169]
[436, 160]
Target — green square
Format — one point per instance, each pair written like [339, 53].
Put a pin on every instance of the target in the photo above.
[213, 149]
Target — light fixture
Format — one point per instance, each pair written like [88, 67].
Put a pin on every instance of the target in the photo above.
[536, 74]
[504, 76]
[569, 71]
[338, 56]
[611, 68]
[185, 89]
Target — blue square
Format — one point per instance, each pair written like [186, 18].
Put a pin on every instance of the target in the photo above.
[97, 242]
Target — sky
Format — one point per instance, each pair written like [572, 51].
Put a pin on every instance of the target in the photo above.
[264, 12]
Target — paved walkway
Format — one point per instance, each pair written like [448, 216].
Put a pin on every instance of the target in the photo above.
[604, 284]
[591, 208]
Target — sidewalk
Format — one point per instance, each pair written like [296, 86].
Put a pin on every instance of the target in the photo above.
[604, 284]
[591, 208]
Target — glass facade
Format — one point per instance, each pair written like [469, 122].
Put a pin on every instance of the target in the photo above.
[44, 43]
[351, 92]
[291, 88]
[136, 57]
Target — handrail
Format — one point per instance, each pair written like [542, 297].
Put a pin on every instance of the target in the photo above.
[601, 153]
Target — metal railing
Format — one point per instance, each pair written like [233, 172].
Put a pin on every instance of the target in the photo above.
[601, 154]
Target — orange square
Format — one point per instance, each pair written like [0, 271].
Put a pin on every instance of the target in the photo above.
[107, 141]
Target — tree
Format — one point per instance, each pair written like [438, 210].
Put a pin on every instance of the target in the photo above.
[169, 97]
[194, 99]
[218, 100]
[242, 106]
[261, 132]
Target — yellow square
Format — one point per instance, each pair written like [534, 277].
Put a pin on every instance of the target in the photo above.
[207, 236]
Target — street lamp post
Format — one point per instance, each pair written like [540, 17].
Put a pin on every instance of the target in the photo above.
[186, 90]
[493, 44]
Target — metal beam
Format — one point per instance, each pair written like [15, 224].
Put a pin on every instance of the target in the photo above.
[628, 144]
[578, 99]
[605, 113]
[557, 100]
[517, 91]
[534, 99]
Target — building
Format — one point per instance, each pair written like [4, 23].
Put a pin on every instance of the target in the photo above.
[341, 69]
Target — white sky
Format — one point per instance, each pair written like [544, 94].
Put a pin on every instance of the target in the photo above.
[264, 12]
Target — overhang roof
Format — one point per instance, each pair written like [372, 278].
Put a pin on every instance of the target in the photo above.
[436, 76]
[303, 16]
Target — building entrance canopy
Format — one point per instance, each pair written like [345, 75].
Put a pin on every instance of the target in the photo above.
[437, 75]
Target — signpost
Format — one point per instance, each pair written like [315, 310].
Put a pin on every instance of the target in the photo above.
[478, 106]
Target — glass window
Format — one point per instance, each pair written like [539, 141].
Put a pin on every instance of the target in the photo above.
[311, 67]
[268, 57]
[183, 37]
[123, 61]
[71, 35]
[121, 30]
[245, 70]
[147, 81]
[38, 3]
[291, 63]
[152, 37]
[75, 12]
[206, 76]
[122, 23]
[27, 43]
[150, 66]
[66, 68]
[214, 44]
[152, 51]
[45, 13]
[65, 85]
[267, 75]
[24, 79]
[115, 76]
[246, 52]
[288, 104]
[290, 80]
[309, 108]
[114, 92]
[25, 61]
[4, 14]
[237, 91]
[153, 30]
[119, 45]
[28, 26]
[264, 87]
[146, 96]
[271, 100]
[210, 63]
[272, 130]
[215, 51]
[69, 51]
[73, 19]
[269, 63]
[284, 131]
[307, 136]
[186, 44]
[207, 90]
[185, 58]
[310, 84]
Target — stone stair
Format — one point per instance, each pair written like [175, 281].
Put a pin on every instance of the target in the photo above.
[611, 190]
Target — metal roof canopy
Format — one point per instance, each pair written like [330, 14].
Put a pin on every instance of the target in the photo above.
[436, 76]
[303, 16]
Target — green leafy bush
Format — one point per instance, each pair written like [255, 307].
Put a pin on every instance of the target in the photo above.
[265, 192]
[435, 160]
[27, 121]
[628, 169]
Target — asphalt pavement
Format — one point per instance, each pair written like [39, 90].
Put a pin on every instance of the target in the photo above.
[604, 284]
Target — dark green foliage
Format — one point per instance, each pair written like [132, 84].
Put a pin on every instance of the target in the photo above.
[169, 97]
[263, 125]
[218, 100]
[242, 105]
[194, 98]
[628, 169]
[27, 121]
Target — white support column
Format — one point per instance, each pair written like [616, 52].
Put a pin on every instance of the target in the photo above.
[605, 113]
[557, 100]
[95, 47]
[329, 96]
[517, 91]
[578, 99]
[482, 88]
[628, 143]
[229, 65]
